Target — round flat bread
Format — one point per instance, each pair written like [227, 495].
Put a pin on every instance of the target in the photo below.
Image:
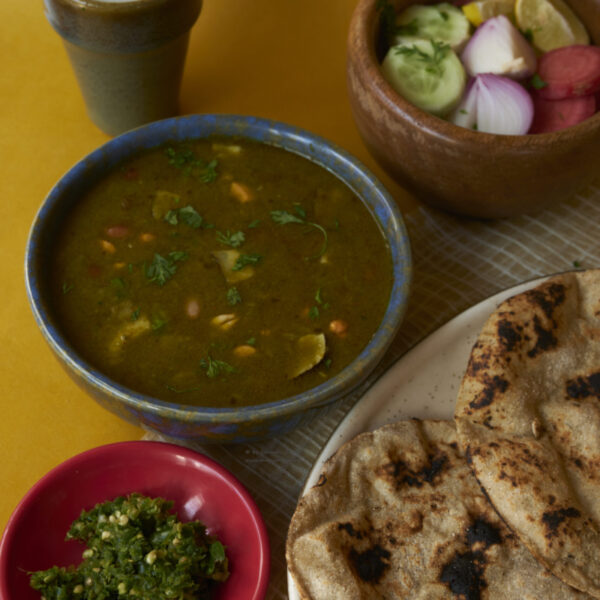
[528, 418]
[397, 513]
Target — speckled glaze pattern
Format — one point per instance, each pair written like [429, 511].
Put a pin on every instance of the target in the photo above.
[462, 171]
[222, 425]
[128, 57]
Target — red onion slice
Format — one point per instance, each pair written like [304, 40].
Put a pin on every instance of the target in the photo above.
[498, 47]
[495, 104]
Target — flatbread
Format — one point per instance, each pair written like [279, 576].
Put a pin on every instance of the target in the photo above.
[528, 418]
[397, 514]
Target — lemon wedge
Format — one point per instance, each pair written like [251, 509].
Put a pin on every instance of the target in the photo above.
[482, 10]
[551, 24]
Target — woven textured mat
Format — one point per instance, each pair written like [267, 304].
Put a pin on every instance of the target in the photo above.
[457, 263]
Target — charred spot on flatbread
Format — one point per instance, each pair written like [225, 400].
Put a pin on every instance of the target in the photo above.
[479, 361]
[548, 298]
[403, 475]
[370, 564]
[366, 536]
[583, 387]
[555, 518]
[349, 529]
[464, 574]
[545, 340]
[509, 333]
[492, 386]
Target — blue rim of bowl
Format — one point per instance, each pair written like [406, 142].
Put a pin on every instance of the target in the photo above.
[294, 139]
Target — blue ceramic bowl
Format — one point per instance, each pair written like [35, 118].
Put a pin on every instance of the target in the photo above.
[200, 423]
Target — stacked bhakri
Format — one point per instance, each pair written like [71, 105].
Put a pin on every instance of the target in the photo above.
[397, 513]
[401, 513]
[528, 419]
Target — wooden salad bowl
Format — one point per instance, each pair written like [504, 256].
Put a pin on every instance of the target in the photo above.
[462, 171]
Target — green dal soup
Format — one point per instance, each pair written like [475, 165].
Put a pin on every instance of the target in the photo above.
[220, 273]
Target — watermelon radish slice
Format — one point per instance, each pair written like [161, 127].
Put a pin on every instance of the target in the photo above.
[569, 72]
[554, 115]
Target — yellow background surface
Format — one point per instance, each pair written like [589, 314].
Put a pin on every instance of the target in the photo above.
[281, 59]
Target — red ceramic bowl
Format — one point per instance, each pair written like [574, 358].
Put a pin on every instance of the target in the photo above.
[200, 488]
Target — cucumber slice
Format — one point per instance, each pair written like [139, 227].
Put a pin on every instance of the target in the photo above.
[440, 22]
[426, 73]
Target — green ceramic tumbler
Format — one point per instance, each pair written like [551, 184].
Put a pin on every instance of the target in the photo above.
[128, 55]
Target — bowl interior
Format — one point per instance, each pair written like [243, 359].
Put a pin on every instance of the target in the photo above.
[83, 175]
[374, 46]
[199, 487]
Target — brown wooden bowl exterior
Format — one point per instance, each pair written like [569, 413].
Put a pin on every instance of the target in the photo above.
[462, 171]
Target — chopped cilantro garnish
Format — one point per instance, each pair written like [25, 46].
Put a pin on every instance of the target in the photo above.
[176, 390]
[135, 315]
[233, 296]
[119, 286]
[537, 82]
[66, 287]
[162, 269]
[186, 160]
[253, 224]
[319, 299]
[136, 548]
[246, 259]
[433, 61]
[300, 211]
[214, 367]
[528, 34]
[157, 323]
[171, 217]
[314, 313]
[283, 217]
[188, 215]
[251, 341]
[235, 239]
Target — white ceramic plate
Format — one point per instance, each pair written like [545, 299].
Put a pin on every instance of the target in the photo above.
[423, 383]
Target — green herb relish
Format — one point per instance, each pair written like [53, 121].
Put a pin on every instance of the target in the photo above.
[136, 548]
